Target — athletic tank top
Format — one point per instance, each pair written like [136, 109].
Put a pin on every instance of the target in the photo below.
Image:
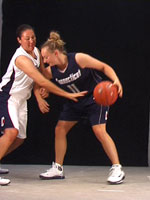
[76, 79]
[15, 82]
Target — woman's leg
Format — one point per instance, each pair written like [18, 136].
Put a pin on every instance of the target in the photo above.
[116, 175]
[107, 142]
[6, 140]
[61, 131]
[17, 142]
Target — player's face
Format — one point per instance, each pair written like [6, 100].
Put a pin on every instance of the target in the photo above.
[27, 40]
[48, 57]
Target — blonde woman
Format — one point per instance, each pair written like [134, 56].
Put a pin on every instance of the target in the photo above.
[75, 72]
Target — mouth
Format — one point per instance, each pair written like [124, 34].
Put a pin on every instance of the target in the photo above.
[33, 45]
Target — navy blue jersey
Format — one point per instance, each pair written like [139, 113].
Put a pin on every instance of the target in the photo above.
[76, 79]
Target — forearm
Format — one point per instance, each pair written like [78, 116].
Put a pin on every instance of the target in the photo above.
[52, 88]
[40, 81]
[110, 73]
[36, 91]
[42, 103]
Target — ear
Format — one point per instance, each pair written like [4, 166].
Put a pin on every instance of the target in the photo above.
[18, 39]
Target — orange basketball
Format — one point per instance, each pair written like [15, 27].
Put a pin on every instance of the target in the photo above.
[105, 93]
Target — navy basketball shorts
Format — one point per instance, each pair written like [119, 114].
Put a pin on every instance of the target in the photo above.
[94, 113]
[13, 114]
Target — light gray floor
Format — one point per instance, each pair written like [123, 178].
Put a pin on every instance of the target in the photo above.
[81, 183]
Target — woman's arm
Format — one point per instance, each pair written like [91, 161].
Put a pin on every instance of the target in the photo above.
[27, 66]
[42, 103]
[87, 61]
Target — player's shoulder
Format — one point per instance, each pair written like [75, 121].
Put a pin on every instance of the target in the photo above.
[81, 58]
[81, 55]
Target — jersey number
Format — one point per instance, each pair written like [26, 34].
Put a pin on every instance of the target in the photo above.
[73, 88]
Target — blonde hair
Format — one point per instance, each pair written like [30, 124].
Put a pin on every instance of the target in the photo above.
[54, 42]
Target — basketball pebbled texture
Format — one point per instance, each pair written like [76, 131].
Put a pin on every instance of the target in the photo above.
[105, 93]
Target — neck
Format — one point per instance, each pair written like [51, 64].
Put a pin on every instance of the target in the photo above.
[31, 53]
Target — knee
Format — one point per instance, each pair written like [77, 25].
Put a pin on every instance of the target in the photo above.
[101, 135]
[11, 134]
[60, 131]
[57, 129]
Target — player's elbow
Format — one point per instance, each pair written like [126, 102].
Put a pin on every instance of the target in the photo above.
[42, 82]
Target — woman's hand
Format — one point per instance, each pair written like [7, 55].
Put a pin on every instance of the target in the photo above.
[75, 96]
[43, 92]
[43, 105]
[119, 86]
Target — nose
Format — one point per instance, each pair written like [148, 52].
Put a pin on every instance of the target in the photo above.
[32, 40]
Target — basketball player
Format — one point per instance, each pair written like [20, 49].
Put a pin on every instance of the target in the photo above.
[15, 89]
[76, 72]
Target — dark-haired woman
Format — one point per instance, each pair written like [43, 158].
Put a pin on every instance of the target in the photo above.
[15, 89]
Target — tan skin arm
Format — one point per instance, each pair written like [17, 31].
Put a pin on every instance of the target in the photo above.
[27, 66]
[48, 72]
[43, 69]
[42, 103]
[41, 93]
[87, 61]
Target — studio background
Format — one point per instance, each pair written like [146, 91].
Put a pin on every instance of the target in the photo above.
[116, 32]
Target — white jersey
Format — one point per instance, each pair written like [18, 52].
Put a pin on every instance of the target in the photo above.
[15, 82]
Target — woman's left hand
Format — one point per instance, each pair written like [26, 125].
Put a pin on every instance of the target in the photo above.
[43, 105]
[44, 93]
[119, 86]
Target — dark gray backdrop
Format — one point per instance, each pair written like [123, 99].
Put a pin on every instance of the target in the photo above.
[116, 32]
